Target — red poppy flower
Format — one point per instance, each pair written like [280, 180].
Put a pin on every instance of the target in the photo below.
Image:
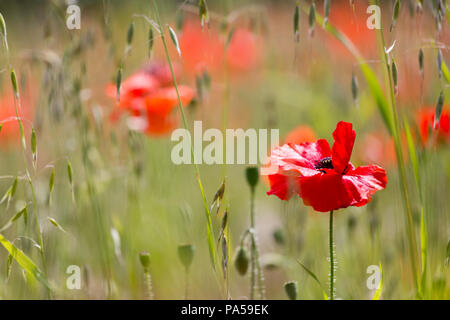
[425, 119]
[324, 178]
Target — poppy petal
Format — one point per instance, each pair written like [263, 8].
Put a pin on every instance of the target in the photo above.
[325, 192]
[344, 138]
[364, 181]
[300, 158]
[283, 186]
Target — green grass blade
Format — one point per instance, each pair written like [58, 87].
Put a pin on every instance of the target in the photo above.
[412, 154]
[424, 249]
[369, 74]
[24, 261]
[312, 275]
[445, 72]
[377, 293]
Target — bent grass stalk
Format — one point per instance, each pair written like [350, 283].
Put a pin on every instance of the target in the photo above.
[400, 161]
[17, 106]
[390, 119]
[209, 226]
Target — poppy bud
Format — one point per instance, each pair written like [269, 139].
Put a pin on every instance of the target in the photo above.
[252, 176]
[144, 257]
[241, 261]
[278, 236]
[186, 254]
[291, 290]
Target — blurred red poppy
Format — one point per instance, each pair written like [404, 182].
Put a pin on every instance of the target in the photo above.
[425, 121]
[203, 49]
[150, 98]
[300, 134]
[323, 177]
[10, 134]
[352, 21]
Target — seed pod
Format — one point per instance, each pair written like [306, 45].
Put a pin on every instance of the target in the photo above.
[291, 290]
[144, 258]
[395, 77]
[2, 26]
[33, 147]
[130, 34]
[252, 175]
[297, 22]
[438, 112]
[241, 261]
[174, 38]
[439, 63]
[203, 11]
[150, 41]
[355, 88]
[224, 256]
[118, 83]
[326, 5]
[14, 83]
[312, 19]
[395, 14]
[421, 70]
[51, 184]
[279, 237]
[186, 254]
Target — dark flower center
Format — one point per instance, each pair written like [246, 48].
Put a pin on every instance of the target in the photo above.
[324, 163]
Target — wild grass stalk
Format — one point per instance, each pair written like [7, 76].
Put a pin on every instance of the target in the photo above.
[400, 159]
[209, 226]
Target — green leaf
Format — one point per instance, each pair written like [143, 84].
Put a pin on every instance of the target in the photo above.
[24, 261]
[379, 289]
[312, 275]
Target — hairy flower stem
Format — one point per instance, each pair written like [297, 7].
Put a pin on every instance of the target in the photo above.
[186, 283]
[148, 284]
[332, 253]
[256, 276]
[400, 162]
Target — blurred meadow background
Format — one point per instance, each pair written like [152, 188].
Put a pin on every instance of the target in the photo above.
[94, 184]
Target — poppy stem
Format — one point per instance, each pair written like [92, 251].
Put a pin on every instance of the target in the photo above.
[332, 253]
